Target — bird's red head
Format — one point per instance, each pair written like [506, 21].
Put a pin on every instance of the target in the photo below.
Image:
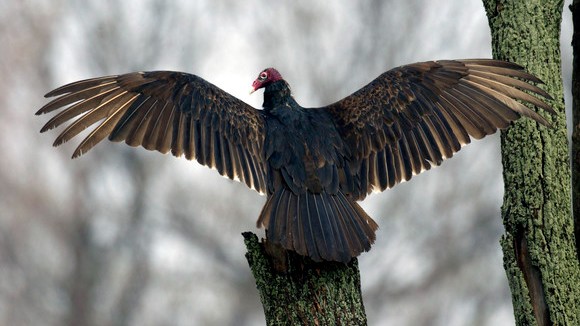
[265, 78]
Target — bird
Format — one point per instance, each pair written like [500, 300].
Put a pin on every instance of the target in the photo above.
[313, 164]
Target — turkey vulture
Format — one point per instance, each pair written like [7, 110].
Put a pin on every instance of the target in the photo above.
[312, 163]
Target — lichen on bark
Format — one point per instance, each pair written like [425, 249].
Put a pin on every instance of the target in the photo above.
[539, 250]
[294, 290]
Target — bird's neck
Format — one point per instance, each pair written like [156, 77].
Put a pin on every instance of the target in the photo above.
[277, 94]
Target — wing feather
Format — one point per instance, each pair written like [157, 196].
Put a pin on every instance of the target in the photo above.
[99, 134]
[415, 116]
[165, 111]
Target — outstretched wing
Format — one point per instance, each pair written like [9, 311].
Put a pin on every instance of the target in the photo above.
[415, 116]
[164, 110]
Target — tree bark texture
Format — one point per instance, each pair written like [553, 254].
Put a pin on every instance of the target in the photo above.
[539, 245]
[575, 8]
[296, 291]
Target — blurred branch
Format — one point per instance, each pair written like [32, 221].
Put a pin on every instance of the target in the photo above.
[139, 239]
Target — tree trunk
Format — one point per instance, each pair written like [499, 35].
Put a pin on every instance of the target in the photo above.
[539, 246]
[296, 291]
[575, 8]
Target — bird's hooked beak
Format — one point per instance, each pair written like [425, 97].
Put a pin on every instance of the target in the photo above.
[255, 86]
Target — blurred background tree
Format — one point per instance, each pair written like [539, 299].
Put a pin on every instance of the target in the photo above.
[123, 236]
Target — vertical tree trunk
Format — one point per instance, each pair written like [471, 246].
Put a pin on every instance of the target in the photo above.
[539, 246]
[296, 291]
[575, 8]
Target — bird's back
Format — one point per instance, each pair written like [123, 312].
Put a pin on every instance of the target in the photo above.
[304, 147]
[307, 208]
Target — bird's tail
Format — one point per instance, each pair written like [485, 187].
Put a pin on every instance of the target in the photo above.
[321, 226]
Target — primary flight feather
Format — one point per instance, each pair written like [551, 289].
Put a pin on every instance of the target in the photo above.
[312, 163]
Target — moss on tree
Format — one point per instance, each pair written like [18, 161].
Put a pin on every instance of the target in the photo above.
[296, 291]
[539, 247]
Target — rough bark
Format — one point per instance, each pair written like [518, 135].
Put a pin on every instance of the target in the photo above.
[296, 291]
[575, 8]
[538, 244]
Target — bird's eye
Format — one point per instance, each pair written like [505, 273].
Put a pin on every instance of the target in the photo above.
[263, 76]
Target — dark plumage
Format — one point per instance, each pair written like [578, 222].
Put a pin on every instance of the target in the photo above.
[313, 163]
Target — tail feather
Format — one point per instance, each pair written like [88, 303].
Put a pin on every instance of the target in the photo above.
[353, 242]
[335, 241]
[321, 226]
[354, 209]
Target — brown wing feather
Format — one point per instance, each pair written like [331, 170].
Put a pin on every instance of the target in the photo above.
[163, 111]
[415, 116]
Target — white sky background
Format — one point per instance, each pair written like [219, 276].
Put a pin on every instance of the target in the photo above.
[324, 58]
